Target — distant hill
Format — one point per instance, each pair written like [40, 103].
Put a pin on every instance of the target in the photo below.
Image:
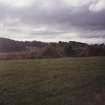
[8, 45]
[12, 49]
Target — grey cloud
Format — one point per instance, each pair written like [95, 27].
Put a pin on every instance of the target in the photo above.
[60, 16]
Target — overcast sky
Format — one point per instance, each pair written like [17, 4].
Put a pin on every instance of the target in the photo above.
[53, 20]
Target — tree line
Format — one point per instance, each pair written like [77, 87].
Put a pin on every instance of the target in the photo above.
[11, 49]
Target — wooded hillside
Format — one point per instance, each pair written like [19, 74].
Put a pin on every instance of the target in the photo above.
[11, 49]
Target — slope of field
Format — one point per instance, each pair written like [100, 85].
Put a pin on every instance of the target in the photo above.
[65, 81]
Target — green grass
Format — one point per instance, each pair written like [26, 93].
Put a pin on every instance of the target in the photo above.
[65, 81]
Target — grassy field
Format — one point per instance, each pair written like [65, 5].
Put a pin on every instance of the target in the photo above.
[65, 81]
